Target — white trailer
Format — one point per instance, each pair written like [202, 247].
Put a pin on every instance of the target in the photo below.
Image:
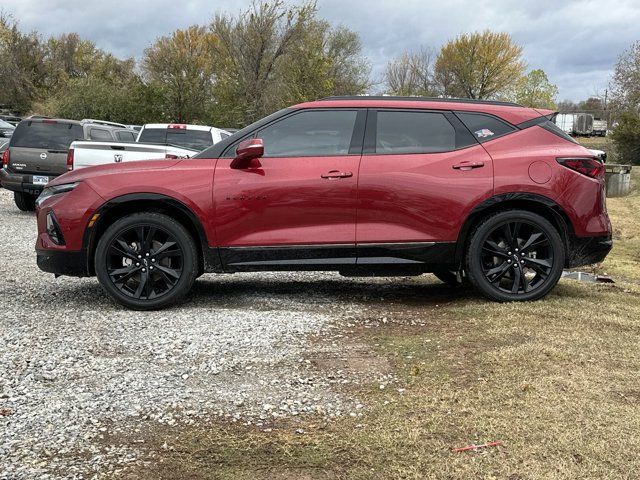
[566, 121]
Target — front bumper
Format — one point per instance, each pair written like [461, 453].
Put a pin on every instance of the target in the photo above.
[71, 264]
[588, 250]
[19, 182]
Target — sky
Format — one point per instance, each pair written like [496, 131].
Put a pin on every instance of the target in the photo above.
[575, 42]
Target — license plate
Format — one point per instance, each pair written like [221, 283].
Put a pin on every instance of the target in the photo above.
[38, 180]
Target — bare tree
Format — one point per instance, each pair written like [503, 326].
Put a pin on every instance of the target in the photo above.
[412, 74]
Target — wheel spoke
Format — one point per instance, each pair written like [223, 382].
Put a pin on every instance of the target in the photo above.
[492, 247]
[542, 262]
[169, 271]
[148, 240]
[533, 240]
[515, 287]
[163, 248]
[144, 277]
[124, 250]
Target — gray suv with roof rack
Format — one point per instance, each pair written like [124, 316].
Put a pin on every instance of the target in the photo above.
[38, 151]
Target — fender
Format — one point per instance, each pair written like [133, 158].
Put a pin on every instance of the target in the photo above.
[505, 201]
[210, 256]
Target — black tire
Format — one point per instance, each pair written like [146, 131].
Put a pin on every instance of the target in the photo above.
[25, 201]
[146, 261]
[515, 255]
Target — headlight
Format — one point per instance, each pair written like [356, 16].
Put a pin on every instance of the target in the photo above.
[55, 190]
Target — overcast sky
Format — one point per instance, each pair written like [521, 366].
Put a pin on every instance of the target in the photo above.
[575, 42]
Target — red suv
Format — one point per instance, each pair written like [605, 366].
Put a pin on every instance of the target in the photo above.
[489, 192]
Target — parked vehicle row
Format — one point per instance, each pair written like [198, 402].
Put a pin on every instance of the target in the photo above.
[487, 192]
[158, 140]
[42, 148]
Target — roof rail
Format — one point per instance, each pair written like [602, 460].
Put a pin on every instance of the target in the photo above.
[103, 122]
[422, 99]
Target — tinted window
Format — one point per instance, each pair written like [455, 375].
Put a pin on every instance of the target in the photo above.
[47, 135]
[126, 136]
[192, 139]
[311, 133]
[484, 127]
[556, 130]
[153, 135]
[414, 132]
[100, 135]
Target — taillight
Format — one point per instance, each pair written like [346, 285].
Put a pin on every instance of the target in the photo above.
[178, 126]
[589, 166]
[70, 159]
[5, 159]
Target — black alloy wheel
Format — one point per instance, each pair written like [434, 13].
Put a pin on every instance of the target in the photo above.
[146, 261]
[515, 255]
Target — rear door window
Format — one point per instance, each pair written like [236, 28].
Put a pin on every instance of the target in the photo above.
[485, 127]
[192, 139]
[402, 132]
[126, 136]
[46, 135]
[100, 135]
[309, 134]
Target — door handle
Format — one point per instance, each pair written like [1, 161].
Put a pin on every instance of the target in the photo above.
[468, 165]
[336, 174]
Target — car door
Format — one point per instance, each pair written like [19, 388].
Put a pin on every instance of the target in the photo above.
[295, 207]
[421, 173]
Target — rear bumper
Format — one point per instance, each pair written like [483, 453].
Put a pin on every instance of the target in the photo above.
[71, 264]
[588, 250]
[19, 182]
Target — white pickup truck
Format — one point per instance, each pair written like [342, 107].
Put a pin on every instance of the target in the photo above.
[155, 140]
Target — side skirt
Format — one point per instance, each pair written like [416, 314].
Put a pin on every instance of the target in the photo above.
[366, 259]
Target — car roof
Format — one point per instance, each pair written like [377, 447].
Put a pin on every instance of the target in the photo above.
[511, 112]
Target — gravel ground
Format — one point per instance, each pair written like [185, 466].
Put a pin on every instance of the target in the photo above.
[76, 370]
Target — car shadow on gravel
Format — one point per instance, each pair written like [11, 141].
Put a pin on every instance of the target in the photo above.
[294, 293]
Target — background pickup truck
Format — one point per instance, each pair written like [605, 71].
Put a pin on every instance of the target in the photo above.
[154, 141]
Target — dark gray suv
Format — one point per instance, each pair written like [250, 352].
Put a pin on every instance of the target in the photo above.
[38, 152]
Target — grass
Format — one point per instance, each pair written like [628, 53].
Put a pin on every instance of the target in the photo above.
[557, 381]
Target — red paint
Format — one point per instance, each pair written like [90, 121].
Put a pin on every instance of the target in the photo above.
[387, 198]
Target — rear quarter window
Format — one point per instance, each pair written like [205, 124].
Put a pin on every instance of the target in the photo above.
[46, 135]
[485, 127]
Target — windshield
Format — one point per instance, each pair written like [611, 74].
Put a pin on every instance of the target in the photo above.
[191, 139]
[49, 135]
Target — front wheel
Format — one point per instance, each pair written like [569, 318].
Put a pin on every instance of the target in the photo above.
[515, 256]
[146, 261]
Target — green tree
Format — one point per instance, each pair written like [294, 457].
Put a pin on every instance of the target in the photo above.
[22, 66]
[626, 136]
[181, 68]
[535, 90]
[479, 65]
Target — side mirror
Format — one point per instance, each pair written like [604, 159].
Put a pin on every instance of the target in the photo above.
[248, 150]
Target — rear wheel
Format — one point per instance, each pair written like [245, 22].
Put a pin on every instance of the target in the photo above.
[514, 256]
[146, 261]
[25, 201]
